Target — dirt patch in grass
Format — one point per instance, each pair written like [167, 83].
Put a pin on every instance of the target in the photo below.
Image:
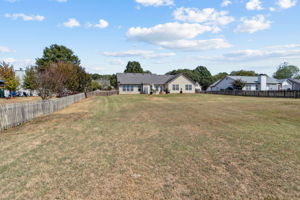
[141, 147]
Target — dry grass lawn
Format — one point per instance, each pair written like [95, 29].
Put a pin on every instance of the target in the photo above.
[159, 147]
[19, 99]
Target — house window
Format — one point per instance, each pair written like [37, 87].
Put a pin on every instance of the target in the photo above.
[176, 87]
[189, 87]
[127, 88]
[248, 87]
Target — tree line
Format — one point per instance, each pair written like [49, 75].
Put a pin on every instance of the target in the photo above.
[204, 77]
[59, 72]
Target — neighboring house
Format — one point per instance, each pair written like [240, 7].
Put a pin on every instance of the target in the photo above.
[20, 73]
[253, 83]
[104, 83]
[295, 84]
[136, 83]
[198, 87]
[285, 84]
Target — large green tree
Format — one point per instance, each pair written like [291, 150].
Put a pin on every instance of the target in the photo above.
[243, 73]
[286, 71]
[114, 81]
[57, 53]
[30, 79]
[238, 84]
[203, 76]
[133, 67]
[187, 72]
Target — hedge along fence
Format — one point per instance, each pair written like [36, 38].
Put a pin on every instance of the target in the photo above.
[278, 94]
[14, 114]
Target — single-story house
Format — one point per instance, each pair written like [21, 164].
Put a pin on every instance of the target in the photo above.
[253, 83]
[295, 84]
[138, 83]
[285, 84]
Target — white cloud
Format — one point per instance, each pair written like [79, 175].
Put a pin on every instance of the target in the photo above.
[208, 16]
[9, 60]
[254, 5]
[272, 9]
[286, 46]
[117, 62]
[24, 17]
[256, 23]
[177, 36]
[226, 3]
[19, 62]
[5, 49]
[155, 2]
[102, 24]
[195, 45]
[72, 23]
[168, 31]
[139, 53]
[255, 55]
[285, 4]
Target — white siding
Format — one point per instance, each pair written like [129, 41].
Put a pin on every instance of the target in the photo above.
[273, 86]
[286, 86]
[135, 90]
[250, 87]
[223, 84]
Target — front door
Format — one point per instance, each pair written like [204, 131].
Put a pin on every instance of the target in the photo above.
[145, 89]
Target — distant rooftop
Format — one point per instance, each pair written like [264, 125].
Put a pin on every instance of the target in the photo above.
[138, 78]
[295, 81]
[253, 79]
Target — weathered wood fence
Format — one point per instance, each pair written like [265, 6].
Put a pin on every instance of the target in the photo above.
[13, 114]
[278, 94]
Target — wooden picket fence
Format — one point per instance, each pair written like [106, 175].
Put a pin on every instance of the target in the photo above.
[14, 114]
[274, 94]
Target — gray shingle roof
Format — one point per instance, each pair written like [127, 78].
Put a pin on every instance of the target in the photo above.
[137, 78]
[253, 79]
[297, 81]
[215, 83]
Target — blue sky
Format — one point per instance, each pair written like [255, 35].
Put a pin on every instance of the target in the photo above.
[162, 35]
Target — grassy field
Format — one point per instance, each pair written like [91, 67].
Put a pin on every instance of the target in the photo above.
[156, 147]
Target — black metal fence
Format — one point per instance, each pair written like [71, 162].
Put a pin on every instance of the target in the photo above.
[279, 94]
